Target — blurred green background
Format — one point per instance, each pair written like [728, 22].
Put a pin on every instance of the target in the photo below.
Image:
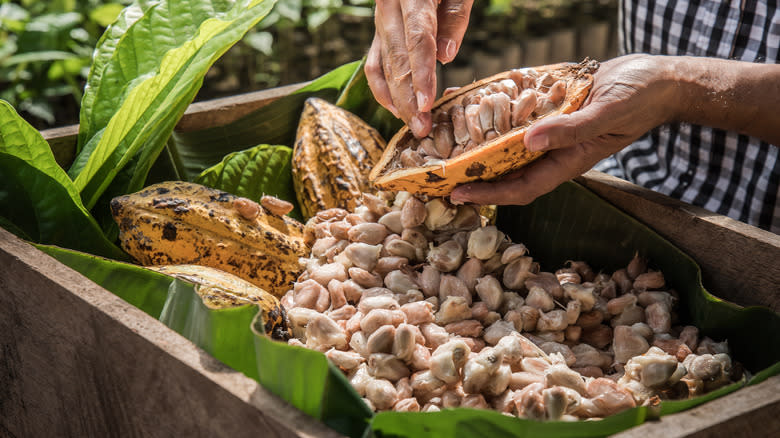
[46, 47]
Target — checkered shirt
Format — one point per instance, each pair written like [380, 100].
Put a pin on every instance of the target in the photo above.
[722, 171]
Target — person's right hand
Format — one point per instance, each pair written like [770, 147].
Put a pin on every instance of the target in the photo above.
[631, 95]
[401, 64]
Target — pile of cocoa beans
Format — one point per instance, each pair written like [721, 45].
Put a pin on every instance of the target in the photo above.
[424, 306]
[485, 113]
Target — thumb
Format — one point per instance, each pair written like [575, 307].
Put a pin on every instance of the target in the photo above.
[566, 130]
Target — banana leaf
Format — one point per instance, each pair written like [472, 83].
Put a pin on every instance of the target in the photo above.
[223, 333]
[140, 287]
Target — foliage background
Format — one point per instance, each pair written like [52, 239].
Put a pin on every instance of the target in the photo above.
[46, 47]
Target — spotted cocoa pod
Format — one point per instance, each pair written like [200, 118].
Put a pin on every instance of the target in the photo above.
[178, 222]
[496, 120]
[333, 155]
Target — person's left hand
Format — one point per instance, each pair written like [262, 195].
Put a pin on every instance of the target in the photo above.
[630, 96]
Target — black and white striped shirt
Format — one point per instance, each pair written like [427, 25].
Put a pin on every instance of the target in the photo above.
[722, 171]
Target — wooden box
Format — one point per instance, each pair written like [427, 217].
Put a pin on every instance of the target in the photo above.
[78, 361]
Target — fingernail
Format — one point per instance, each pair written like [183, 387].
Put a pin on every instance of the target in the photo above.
[538, 143]
[448, 48]
[452, 49]
[422, 101]
[416, 125]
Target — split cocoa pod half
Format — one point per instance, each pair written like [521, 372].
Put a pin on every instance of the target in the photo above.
[334, 152]
[179, 222]
[478, 130]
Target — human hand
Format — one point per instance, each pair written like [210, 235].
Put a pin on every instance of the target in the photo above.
[401, 64]
[630, 95]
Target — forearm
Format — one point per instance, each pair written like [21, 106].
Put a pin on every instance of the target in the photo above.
[733, 95]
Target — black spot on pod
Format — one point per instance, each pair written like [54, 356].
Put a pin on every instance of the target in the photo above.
[475, 169]
[169, 231]
[432, 177]
[116, 207]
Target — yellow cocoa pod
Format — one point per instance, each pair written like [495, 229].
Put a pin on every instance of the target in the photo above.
[334, 152]
[185, 223]
[221, 290]
[479, 129]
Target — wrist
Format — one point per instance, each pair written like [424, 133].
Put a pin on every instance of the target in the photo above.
[678, 86]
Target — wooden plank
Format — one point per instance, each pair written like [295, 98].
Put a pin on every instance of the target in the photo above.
[78, 361]
[62, 142]
[739, 262]
[749, 412]
[199, 115]
[218, 112]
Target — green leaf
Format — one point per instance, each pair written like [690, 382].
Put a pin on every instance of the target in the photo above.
[316, 18]
[13, 17]
[67, 67]
[275, 123]
[39, 56]
[289, 9]
[462, 422]
[36, 194]
[6, 50]
[356, 11]
[48, 32]
[223, 333]
[323, 4]
[13, 12]
[144, 289]
[260, 41]
[91, 113]
[252, 173]
[106, 14]
[146, 83]
[13, 229]
[231, 336]
[39, 108]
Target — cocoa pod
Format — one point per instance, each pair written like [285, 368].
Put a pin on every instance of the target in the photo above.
[497, 152]
[178, 222]
[333, 155]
